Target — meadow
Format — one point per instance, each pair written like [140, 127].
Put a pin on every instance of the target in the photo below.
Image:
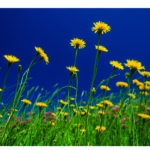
[104, 119]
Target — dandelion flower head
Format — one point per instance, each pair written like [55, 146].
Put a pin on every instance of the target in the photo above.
[116, 65]
[77, 43]
[11, 59]
[26, 101]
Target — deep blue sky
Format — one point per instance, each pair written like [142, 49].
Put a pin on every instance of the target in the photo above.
[52, 29]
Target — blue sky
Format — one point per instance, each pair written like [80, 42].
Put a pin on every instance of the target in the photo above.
[52, 29]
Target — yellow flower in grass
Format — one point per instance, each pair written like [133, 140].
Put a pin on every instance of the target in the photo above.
[66, 114]
[144, 88]
[136, 82]
[41, 52]
[148, 108]
[26, 101]
[11, 58]
[1, 90]
[52, 123]
[108, 103]
[14, 110]
[53, 114]
[40, 104]
[93, 90]
[75, 111]
[101, 27]
[144, 93]
[63, 102]
[134, 65]
[72, 69]
[122, 84]
[131, 95]
[99, 105]
[148, 83]
[85, 110]
[83, 130]
[72, 99]
[101, 112]
[92, 107]
[100, 128]
[105, 88]
[1, 116]
[78, 125]
[72, 105]
[144, 116]
[82, 113]
[145, 73]
[116, 65]
[77, 43]
[81, 107]
[101, 49]
[58, 108]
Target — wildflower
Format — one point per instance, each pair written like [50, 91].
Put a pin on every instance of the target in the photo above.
[147, 83]
[81, 107]
[85, 110]
[101, 27]
[100, 128]
[1, 90]
[84, 102]
[144, 116]
[101, 112]
[1, 116]
[83, 130]
[63, 102]
[99, 105]
[124, 119]
[105, 88]
[72, 69]
[123, 125]
[25, 101]
[78, 125]
[75, 111]
[145, 73]
[44, 121]
[19, 68]
[53, 114]
[127, 75]
[144, 93]
[82, 113]
[52, 123]
[107, 103]
[72, 99]
[131, 95]
[136, 120]
[72, 105]
[136, 82]
[11, 59]
[40, 104]
[116, 65]
[41, 52]
[122, 84]
[66, 114]
[134, 65]
[78, 43]
[101, 49]
[115, 108]
[92, 107]
[93, 90]
[14, 110]
[58, 108]
[144, 88]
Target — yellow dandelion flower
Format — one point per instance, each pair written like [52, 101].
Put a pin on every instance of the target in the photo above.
[101, 112]
[144, 88]
[83, 130]
[40, 104]
[81, 107]
[11, 59]
[105, 88]
[92, 107]
[116, 65]
[72, 69]
[144, 116]
[58, 108]
[101, 48]
[62, 113]
[53, 114]
[85, 110]
[93, 90]
[63, 102]
[41, 52]
[72, 99]
[100, 128]
[72, 105]
[14, 110]
[1, 116]
[82, 113]
[135, 82]
[52, 123]
[26, 101]
[66, 114]
[122, 84]
[1, 90]
[148, 83]
[108, 103]
[145, 73]
[131, 95]
[148, 108]
[144, 93]
[78, 125]
[78, 43]
[101, 27]
[99, 105]
[75, 111]
[134, 65]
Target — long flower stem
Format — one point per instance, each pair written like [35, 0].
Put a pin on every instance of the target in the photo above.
[75, 57]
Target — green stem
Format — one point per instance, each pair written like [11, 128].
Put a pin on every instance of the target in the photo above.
[75, 57]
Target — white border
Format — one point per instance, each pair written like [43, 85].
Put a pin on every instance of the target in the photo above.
[74, 4]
